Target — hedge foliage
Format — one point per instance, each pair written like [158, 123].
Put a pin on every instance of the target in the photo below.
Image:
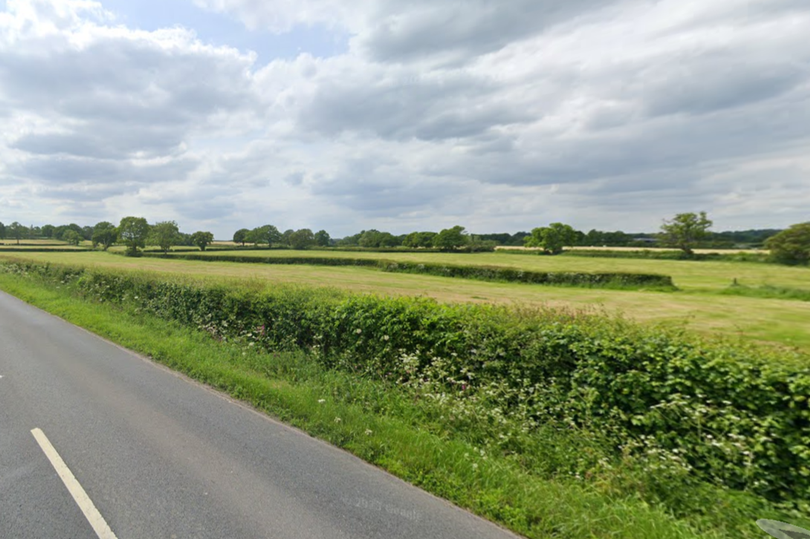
[733, 415]
[481, 273]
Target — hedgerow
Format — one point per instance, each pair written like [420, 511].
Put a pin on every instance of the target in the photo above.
[481, 273]
[728, 414]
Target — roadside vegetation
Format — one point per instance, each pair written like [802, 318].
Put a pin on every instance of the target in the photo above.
[552, 422]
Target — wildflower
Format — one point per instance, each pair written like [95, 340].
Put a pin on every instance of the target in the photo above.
[321, 401]
[385, 337]
[368, 432]
[338, 420]
[358, 331]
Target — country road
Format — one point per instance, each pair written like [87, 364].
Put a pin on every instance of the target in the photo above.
[160, 456]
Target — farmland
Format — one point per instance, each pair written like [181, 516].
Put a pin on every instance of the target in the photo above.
[545, 354]
[701, 304]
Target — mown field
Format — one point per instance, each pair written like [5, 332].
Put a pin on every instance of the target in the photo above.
[568, 422]
[701, 304]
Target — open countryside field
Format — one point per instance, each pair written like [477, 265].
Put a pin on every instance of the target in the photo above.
[703, 276]
[698, 306]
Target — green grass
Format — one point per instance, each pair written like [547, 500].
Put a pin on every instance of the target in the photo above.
[387, 426]
[702, 306]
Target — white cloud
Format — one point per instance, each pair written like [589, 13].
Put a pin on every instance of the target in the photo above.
[605, 114]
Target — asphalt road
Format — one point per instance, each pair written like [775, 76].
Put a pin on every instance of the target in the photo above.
[161, 456]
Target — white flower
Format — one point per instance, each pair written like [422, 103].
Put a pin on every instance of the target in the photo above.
[321, 401]
[338, 420]
[358, 331]
[368, 432]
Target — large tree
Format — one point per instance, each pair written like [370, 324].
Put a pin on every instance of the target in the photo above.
[202, 239]
[132, 232]
[164, 234]
[791, 246]
[322, 238]
[685, 230]
[552, 238]
[301, 239]
[16, 231]
[72, 237]
[104, 234]
[241, 236]
[450, 239]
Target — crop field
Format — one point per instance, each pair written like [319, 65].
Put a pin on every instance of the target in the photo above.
[700, 304]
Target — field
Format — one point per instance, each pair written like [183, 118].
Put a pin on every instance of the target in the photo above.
[582, 423]
[700, 305]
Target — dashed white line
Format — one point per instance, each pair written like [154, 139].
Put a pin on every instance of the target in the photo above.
[84, 502]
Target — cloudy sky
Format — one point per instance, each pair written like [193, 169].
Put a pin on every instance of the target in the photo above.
[496, 115]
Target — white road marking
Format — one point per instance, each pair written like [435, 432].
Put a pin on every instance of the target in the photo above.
[82, 500]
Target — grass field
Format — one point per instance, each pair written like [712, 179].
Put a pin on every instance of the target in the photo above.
[699, 305]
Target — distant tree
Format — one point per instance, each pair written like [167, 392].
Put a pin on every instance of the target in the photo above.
[47, 231]
[240, 236]
[350, 241]
[271, 235]
[202, 239]
[551, 238]
[72, 237]
[2, 231]
[322, 238]
[132, 232]
[104, 234]
[478, 245]
[285, 238]
[791, 246]
[164, 234]
[450, 238]
[685, 230]
[301, 239]
[16, 231]
[87, 232]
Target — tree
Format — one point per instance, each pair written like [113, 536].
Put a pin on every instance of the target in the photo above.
[132, 232]
[322, 238]
[301, 239]
[450, 238]
[72, 237]
[48, 230]
[551, 238]
[271, 235]
[240, 236]
[285, 238]
[16, 231]
[164, 234]
[2, 231]
[791, 246]
[202, 239]
[685, 230]
[104, 234]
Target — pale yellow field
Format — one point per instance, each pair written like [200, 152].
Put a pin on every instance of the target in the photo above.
[697, 307]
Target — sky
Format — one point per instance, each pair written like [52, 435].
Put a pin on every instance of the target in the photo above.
[401, 116]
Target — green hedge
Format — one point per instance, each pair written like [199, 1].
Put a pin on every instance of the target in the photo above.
[733, 415]
[482, 273]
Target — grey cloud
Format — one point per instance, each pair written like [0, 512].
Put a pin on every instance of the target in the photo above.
[457, 30]
[448, 105]
[701, 85]
[67, 170]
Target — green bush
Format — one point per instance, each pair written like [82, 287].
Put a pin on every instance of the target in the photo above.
[728, 414]
[481, 273]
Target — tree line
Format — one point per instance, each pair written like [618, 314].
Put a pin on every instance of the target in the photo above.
[685, 231]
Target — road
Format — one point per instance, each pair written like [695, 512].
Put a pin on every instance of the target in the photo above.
[160, 456]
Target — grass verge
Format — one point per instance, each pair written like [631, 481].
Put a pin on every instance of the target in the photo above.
[410, 438]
